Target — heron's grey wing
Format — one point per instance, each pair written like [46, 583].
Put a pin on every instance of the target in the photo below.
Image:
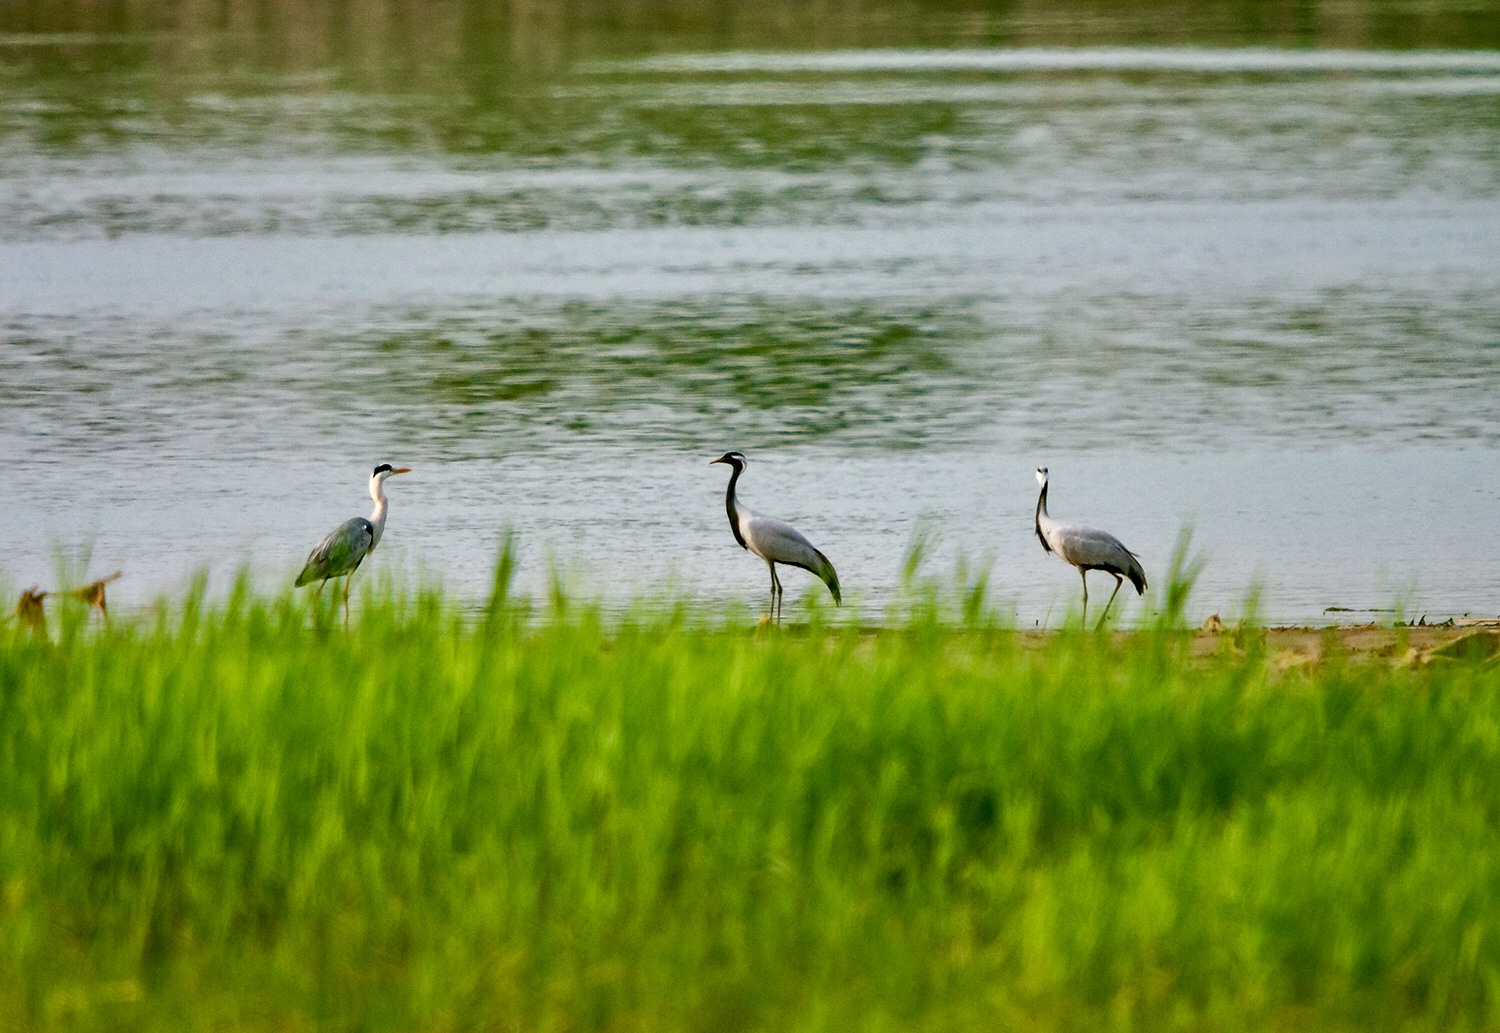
[339, 553]
[1088, 547]
[780, 542]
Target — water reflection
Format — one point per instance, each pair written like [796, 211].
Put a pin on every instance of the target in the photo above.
[1043, 370]
[476, 77]
[706, 152]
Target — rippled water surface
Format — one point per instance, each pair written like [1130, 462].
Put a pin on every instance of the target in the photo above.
[1248, 282]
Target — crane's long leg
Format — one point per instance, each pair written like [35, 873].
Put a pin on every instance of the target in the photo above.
[1118, 582]
[777, 591]
[347, 582]
[1085, 575]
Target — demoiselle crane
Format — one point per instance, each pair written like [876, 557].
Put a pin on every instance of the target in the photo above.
[774, 541]
[1087, 549]
[347, 545]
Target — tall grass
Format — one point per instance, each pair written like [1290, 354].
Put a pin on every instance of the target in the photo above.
[234, 816]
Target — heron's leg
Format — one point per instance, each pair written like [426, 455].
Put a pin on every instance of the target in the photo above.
[777, 592]
[347, 582]
[1118, 582]
[1085, 575]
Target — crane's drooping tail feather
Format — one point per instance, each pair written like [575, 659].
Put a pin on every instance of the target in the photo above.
[1136, 575]
[830, 577]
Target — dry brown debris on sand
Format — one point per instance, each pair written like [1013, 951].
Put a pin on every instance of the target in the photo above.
[30, 613]
[1465, 641]
[93, 592]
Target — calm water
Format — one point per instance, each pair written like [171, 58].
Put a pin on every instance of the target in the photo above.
[1249, 281]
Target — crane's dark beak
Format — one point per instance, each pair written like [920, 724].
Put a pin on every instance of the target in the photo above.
[400, 469]
[721, 459]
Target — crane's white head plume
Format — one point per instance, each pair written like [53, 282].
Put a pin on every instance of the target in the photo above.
[735, 459]
[1041, 476]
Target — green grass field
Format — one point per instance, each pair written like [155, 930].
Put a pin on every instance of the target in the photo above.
[222, 817]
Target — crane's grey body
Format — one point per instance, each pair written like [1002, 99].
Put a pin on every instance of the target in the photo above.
[344, 548]
[1086, 549]
[774, 541]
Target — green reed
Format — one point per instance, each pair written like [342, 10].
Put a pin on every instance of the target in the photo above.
[240, 815]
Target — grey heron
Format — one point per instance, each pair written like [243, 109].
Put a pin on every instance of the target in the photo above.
[774, 541]
[347, 545]
[1087, 549]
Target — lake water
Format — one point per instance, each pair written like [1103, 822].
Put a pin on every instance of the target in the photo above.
[1243, 277]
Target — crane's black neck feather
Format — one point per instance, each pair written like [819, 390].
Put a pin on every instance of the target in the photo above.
[1041, 507]
[734, 515]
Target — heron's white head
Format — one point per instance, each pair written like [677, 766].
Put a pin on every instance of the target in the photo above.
[734, 459]
[1041, 476]
[383, 471]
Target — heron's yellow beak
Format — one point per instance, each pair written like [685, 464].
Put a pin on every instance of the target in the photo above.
[400, 469]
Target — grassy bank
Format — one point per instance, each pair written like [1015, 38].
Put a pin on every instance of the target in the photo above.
[223, 817]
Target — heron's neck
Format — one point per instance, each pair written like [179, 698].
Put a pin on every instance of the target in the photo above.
[377, 518]
[734, 515]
